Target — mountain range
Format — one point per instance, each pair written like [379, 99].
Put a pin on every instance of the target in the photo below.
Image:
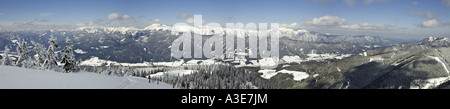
[152, 43]
[423, 64]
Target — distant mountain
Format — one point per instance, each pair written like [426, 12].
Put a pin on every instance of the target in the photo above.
[328, 38]
[152, 43]
[424, 64]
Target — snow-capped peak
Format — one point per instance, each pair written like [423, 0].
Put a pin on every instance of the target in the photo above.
[158, 27]
[206, 30]
[290, 32]
[431, 39]
[97, 29]
[435, 39]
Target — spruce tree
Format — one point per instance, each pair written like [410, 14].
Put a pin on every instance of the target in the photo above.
[68, 57]
[41, 55]
[51, 57]
[6, 60]
[130, 72]
[22, 51]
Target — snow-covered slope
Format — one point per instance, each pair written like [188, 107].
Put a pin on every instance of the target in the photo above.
[22, 78]
[298, 76]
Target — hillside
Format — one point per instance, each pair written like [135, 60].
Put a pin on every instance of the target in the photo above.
[424, 65]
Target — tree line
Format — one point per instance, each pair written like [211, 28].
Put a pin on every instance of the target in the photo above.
[218, 76]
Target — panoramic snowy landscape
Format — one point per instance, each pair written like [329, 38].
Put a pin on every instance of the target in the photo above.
[400, 45]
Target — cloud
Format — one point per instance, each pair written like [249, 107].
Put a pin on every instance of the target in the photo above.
[349, 2]
[446, 2]
[113, 16]
[116, 16]
[415, 3]
[24, 23]
[292, 25]
[41, 20]
[182, 15]
[431, 24]
[190, 20]
[427, 14]
[126, 17]
[373, 1]
[326, 21]
[45, 14]
[85, 24]
[142, 16]
[368, 26]
[92, 23]
[154, 20]
[339, 23]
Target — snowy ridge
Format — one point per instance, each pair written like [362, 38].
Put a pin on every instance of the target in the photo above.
[157, 27]
[442, 63]
[206, 30]
[283, 32]
[290, 32]
[109, 30]
[432, 39]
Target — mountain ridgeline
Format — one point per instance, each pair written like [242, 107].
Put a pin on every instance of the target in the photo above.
[152, 44]
[421, 65]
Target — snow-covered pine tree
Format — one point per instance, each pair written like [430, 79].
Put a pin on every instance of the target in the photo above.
[51, 57]
[110, 70]
[77, 64]
[130, 71]
[65, 53]
[28, 63]
[94, 69]
[120, 71]
[68, 58]
[6, 61]
[40, 54]
[22, 51]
